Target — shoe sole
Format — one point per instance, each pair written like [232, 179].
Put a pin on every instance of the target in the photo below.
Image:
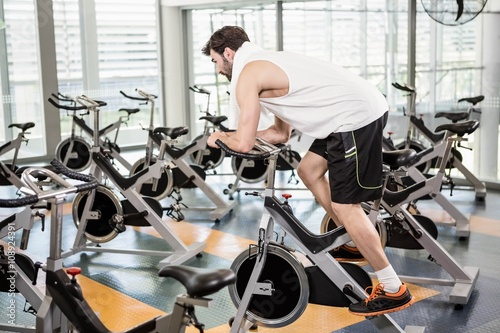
[379, 313]
[351, 260]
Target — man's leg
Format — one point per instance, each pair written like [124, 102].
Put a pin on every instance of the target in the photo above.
[312, 171]
[363, 233]
[355, 167]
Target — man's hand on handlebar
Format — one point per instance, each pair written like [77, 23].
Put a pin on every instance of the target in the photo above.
[214, 136]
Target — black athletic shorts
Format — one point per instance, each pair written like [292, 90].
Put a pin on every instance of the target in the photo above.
[354, 162]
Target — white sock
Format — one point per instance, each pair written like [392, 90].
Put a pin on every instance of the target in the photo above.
[350, 243]
[388, 277]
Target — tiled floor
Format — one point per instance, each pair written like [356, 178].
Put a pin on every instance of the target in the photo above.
[125, 289]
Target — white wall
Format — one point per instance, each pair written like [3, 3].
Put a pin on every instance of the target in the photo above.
[173, 64]
[490, 117]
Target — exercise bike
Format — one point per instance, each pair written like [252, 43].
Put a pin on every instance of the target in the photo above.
[254, 171]
[18, 267]
[273, 285]
[399, 228]
[416, 127]
[64, 297]
[177, 173]
[452, 133]
[208, 157]
[75, 151]
[10, 173]
[100, 215]
[163, 186]
[172, 179]
[17, 271]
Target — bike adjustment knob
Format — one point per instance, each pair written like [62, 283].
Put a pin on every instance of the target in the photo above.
[74, 271]
[286, 196]
[73, 288]
[286, 205]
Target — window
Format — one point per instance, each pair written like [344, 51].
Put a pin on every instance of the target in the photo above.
[369, 37]
[128, 59]
[20, 79]
[68, 53]
[260, 24]
[124, 57]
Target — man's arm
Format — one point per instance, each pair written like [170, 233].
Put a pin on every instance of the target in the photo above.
[277, 133]
[257, 79]
[243, 139]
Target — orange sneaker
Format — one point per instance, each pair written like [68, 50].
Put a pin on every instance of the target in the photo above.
[381, 302]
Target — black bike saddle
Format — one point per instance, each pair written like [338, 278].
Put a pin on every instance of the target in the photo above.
[199, 282]
[460, 129]
[172, 132]
[398, 158]
[473, 100]
[216, 120]
[130, 111]
[23, 126]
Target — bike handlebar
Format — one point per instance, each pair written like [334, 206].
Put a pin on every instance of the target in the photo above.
[200, 90]
[403, 87]
[146, 96]
[266, 150]
[19, 202]
[90, 183]
[62, 97]
[66, 107]
[80, 99]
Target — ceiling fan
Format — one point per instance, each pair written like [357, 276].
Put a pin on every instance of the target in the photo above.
[453, 12]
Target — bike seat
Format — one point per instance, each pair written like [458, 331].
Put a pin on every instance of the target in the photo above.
[23, 126]
[460, 129]
[473, 100]
[130, 111]
[453, 116]
[172, 132]
[216, 120]
[398, 158]
[199, 282]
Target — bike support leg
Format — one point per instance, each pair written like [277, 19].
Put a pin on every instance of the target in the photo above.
[462, 223]
[479, 186]
[222, 208]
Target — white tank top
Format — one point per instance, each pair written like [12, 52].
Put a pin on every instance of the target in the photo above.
[322, 98]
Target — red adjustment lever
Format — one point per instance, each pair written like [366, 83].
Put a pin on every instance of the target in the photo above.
[74, 271]
[286, 196]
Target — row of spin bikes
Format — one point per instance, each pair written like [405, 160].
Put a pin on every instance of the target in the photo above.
[259, 290]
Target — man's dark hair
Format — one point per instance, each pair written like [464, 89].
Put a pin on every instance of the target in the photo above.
[228, 36]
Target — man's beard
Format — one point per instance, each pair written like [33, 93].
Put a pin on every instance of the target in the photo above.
[228, 69]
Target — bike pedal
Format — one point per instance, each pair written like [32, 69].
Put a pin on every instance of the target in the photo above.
[253, 328]
[117, 223]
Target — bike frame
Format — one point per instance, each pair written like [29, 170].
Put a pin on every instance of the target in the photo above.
[15, 145]
[315, 247]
